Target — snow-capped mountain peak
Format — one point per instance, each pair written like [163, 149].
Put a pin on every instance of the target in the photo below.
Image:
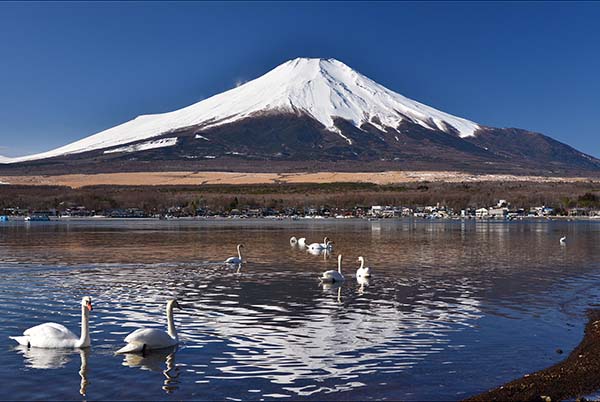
[324, 89]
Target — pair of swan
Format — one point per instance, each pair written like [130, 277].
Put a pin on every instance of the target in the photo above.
[337, 276]
[301, 241]
[56, 336]
[326, 245]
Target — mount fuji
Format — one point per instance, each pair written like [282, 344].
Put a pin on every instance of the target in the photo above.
[305, 114]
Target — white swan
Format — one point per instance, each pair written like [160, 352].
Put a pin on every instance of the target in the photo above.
[57, 336]
[144, 339]
[326, 245]
[238, 259]
[363, 271]
[334, 276]
[293, 240]
[563, 240]
[302, 242]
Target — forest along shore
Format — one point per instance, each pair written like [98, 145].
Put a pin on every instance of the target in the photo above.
[564, 197]
[576, 376]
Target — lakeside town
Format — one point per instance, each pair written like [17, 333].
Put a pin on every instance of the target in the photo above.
[502, 210]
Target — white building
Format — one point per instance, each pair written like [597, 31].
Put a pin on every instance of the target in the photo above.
[482, 213]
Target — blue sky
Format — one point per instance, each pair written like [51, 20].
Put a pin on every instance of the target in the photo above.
[68, 70]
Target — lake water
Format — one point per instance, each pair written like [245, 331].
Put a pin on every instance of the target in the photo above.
[453, 308]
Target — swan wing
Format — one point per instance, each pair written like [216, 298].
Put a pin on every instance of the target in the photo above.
[233, 260]
[49, 330]
[332, 276]
[363, 271]
[152, 338]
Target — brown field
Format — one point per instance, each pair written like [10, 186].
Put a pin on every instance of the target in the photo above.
[208, 178]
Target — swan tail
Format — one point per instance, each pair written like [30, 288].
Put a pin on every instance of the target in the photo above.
[21, 340]
[130, 348]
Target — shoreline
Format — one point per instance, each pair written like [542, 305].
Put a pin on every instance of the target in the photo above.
[574, 377]
[303, 219]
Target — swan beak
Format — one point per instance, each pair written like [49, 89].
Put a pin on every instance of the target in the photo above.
[89, 306]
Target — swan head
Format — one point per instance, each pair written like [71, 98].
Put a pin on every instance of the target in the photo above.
[86, 302]
[240, 246]
[173, 304]
[361, 259]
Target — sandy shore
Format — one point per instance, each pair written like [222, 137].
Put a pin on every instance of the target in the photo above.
[200, 178]
[576, 376]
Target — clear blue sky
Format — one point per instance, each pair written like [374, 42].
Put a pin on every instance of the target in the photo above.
[68, 70]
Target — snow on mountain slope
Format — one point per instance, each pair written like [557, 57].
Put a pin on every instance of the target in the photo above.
[160, 143]
[321, 88]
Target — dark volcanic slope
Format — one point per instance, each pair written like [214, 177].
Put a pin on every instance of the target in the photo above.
[291, 142]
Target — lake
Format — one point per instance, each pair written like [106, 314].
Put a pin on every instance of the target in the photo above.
[453, 307]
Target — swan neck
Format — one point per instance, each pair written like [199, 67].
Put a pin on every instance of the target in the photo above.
[362, 263]
[170, 323]
[340, 265]
[84, 340]
[239, 252]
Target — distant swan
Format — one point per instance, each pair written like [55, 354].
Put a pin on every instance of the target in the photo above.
[563, 240]
[293, 240]
[56, 336]
[238, 259]
[363, 271]
[334, 276]
[144, 339]
[326, 245]
[302, 242]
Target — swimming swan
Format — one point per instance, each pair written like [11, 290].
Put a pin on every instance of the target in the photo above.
[326, 245]
[563, 240]
[144, 339]
[56, 336]
[334, 276]
[238, 259]
[302, 242]
[293, 240]
[363, 271]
